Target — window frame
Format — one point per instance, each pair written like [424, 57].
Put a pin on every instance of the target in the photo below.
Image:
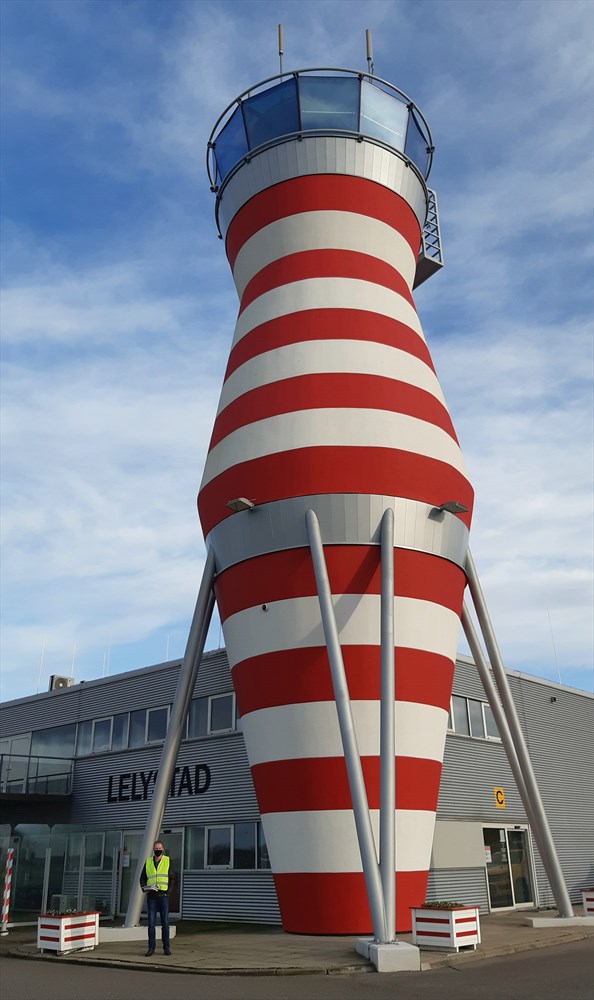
[155, 708]
[487, 736]
[95, 833]
[219, 826]
[470, 735]
[103, 718]
[217, 697]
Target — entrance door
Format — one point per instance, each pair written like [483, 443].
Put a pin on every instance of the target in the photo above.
[173, 844]
[508, 870]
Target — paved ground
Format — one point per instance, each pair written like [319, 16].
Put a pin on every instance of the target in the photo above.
[562, 972]
[215, 949]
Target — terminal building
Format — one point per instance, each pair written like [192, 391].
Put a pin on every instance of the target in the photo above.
[79, 763]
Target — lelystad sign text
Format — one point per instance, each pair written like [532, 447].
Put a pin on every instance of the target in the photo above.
[135, 785]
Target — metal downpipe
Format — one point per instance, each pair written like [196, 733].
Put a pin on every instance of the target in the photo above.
[542, 830]
[185, 685]
[387, 849]
[347, 732]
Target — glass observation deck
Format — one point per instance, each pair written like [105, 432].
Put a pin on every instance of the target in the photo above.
[317, 102]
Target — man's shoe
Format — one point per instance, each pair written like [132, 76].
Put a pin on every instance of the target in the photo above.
[150, 952]
[167, 951]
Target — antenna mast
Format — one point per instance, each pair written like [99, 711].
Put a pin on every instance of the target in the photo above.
[370, 66]
[280, 48]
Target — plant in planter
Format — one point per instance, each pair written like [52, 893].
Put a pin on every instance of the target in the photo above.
[445, 924]
[69, 931]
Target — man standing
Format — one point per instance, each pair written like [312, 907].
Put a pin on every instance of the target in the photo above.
[155, 881]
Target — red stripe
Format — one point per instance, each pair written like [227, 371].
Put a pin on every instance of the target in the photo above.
[460, 934]
[322, 193]
[324, 264]
[439, 934]
[352, 569]
[336, 902]
[315, 783]
[331, 389]
[432, 920]
[299, 676]
[334, 469]
[465, 920]
[45, 937]
[80, 937]
[327, 324]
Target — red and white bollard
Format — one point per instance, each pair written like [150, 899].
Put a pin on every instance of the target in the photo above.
[6, 893]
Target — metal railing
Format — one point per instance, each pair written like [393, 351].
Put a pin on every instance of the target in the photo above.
[26, 774]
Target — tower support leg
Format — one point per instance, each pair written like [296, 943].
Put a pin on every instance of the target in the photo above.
[542, 831]
[179, 712]
[387, 850]
[347, 732]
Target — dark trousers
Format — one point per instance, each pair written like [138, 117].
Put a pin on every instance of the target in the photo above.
[159, 903]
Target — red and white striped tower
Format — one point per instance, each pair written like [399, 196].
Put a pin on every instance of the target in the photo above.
[330, 401]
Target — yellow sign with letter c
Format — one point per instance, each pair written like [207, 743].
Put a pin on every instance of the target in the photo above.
[499, 798]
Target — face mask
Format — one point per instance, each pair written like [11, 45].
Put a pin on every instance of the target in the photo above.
[157, 852]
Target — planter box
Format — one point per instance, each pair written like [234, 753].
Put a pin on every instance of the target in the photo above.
[67, 932]
[451, 929]
[588, 901]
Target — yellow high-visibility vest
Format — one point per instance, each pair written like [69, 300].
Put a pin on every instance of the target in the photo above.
[157, 877]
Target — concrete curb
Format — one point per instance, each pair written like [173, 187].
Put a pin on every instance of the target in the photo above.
[500, 950]
[429, 961]
[114, 963]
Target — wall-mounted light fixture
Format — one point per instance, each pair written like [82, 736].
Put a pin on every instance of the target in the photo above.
[240, 503]
[452, 507]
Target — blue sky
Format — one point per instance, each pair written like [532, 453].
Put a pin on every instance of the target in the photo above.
[118, 305]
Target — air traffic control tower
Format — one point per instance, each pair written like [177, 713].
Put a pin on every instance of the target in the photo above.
[334, 478]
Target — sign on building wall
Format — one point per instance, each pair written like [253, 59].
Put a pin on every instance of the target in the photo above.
[499, 798]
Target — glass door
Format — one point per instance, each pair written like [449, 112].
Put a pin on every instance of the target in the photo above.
[520, 868]
[508, 867]
[173, 844]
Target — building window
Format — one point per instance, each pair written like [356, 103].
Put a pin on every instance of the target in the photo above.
[214, 714]
[244, 846]
[241, 846]
[84, 738]
[219, 845]
[194, 848]
[137, 734]
[119, 732]
[222, 713]
[471, 717]
[460, 715]
[263, 859]
[55, 742]
[490, 724]
[101, 735]
[477, 725]
[156, 724]
[94, 845]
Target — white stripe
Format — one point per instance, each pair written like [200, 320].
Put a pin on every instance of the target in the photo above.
[310, 729]
[355, 427]
[314, 357]
[326, 840]
[326, 293]
[296, 624]
[324, 230]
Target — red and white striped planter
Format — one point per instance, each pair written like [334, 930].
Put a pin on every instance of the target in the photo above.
[65, 932]
[588, 901]
[452, 929]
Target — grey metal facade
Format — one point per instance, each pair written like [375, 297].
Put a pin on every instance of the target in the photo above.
[557, 723]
